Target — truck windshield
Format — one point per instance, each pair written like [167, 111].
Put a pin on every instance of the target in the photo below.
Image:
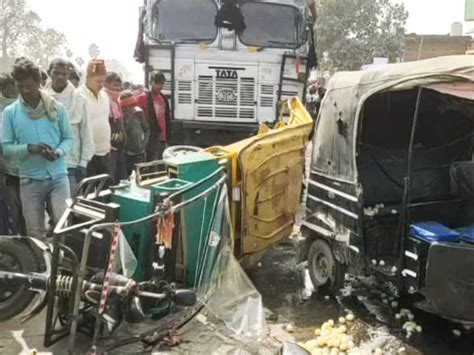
[271, 25]
[191, 20]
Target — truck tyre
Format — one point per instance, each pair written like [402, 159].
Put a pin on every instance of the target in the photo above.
[15, 256]
[326, 273]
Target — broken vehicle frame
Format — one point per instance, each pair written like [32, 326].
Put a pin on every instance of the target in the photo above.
[265, 178]
[382, 160]
[98, 217]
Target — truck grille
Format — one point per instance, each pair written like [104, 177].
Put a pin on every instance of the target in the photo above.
[267, 94]
[185, 92]
[226, 98]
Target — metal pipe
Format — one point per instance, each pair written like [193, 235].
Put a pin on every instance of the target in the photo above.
[405, 213]
[78, 285]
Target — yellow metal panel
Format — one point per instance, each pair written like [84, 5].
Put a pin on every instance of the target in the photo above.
[268, 169]
[272, 176]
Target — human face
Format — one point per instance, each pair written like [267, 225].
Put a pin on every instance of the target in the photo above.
[9, 91]
[74, 81]
[114, 86]
[59, 77]
[128, 111]
[29, 90]
[157, 87]
[95, 83]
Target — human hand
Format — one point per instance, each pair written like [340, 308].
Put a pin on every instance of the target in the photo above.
[50, 155]
[38, 149]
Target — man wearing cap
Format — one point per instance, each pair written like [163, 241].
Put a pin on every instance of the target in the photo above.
[97, 107]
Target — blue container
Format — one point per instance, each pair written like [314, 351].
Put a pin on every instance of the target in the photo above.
[467, 234]
[434, 232]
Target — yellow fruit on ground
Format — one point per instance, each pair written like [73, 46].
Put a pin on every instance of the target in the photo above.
[342, 329]
[320, 341]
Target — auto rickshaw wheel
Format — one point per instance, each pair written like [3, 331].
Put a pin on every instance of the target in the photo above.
[15, 256]
[326, 273]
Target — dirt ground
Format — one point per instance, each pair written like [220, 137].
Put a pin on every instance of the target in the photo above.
[288, 299]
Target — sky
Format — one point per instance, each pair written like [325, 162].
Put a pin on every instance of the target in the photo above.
[113, 24]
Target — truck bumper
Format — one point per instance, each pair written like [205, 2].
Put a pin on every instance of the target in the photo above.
[205, 134]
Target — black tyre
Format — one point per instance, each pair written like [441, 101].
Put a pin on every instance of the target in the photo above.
[326, 273]
[15, 256]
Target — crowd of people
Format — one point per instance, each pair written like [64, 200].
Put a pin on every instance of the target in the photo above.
[57, 131]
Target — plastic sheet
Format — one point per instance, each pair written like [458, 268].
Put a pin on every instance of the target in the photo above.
[226, 290]
[125, 262]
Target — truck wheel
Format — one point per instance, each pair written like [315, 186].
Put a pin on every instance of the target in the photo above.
[326, 273]
[15, 257]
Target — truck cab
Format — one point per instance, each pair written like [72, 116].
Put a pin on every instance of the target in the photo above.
[228, 64]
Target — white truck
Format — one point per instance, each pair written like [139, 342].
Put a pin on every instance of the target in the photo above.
[228, 63]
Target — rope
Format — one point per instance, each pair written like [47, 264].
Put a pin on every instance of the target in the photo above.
[112, 254]
[105, 285]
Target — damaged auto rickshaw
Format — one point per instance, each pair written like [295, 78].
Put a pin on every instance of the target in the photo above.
[134, 262]
[391, 187]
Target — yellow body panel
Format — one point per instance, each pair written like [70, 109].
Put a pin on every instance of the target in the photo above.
[268, 170]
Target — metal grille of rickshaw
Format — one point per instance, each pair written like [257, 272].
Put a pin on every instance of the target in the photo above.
[226, 99]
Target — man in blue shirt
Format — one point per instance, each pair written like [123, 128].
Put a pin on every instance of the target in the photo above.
[37, 133]
[9, 175]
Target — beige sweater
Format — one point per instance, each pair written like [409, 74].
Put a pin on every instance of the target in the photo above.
[97, 111]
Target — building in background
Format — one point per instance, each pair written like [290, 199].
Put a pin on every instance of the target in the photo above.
[429, 46]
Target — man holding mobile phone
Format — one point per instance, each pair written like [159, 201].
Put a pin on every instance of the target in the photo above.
[37, 134]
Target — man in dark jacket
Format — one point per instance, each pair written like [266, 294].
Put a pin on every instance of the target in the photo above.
[136, 129]
[157, 110]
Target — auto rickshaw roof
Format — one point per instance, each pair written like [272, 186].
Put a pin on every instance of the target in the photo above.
[334, 144]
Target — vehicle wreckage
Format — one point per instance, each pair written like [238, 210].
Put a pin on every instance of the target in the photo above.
[134, 262]
[391, 191]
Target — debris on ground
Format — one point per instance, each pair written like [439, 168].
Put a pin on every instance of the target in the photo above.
[332, 338]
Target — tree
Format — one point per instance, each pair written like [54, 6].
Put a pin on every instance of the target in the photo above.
[21, 33]
[43, 46]
[16, 22]
[353, 32]
[117, 67]
[94, 50]
[80, 62]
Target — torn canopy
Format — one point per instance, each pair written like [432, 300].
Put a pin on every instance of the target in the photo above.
[223, 286]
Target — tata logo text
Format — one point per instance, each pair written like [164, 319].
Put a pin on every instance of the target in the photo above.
[226, 95]
[226, 74]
